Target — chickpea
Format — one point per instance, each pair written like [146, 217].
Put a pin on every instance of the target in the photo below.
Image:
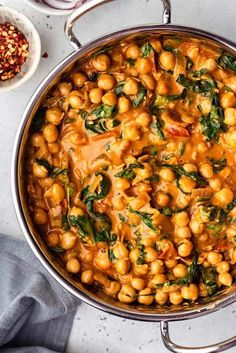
[143, 65]
[223, 266]
[228, 100]
[167, 60]
[145, 296]
[76, 102]
[124, 105]
[202, 147]
[50, 132]
[101, 62]
[37, 139]
[131, 132]
[190, 292]
[76, 211]
[79, 79]
[127, 294]
[175, 297]
[210, 64]
[150, 254]
[102, 261]
[122, 184]
[185, 248]
[134, 255]
[162, 199]
[214, 257]
[106, 82]
[119, 203]
[113, 288]
[167, 174]
[196, 227]
[206, 105]
[215, 184]
[109, 98]
[161, 297]
[40, 216]
[157, 267]
[159, 278]
[170, 263]
[234, 256]
[54, 116]
[131, 87]
[57, 193]
[162, 88]
[223, 197]
[54, 147]
[225, 278]
[183, 232]
[181, 219]
[144, 119]
[53, 239]
[120, 251]
[230, 116]
[148, 81]
[68, 240]
[230, 138]
[73, 266]
[186, 184]
[180, 270]
[39, 171]
[87, 277]
[133, 52]
[143, 187]
[95, 95]
[141, 270]
[136, 204]
[138, 283]
[64, 88]
[190, 167]
[206, 170]
[122, 266]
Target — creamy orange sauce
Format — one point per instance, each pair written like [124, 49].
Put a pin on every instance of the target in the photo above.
[131, 174]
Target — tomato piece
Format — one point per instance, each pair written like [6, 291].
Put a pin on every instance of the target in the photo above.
[178, 131]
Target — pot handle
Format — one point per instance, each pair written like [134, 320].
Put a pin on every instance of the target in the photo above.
[87, 5]
[173, 347]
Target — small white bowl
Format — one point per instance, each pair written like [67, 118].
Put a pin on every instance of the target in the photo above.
[31, 34]
[44, 8]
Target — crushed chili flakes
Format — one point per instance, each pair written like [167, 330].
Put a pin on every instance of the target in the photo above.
[14, 50]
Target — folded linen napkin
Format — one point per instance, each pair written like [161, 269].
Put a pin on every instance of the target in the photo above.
[36, 312]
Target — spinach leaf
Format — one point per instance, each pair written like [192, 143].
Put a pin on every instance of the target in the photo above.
[83, 224]
[119, 88]
[64, 223]
[219, 164]
[128, 172]
[56, 249]
[213, 123]
[209, 213]
[53, 172]
[198, 73]
[142, 254]
[161, 101]
[198, 86]
[179, 170]
[145, 217]
[181, 148]
[92, 76]
[146, 49]
[140, 96]
[157, 126]
[131, 62]
[227, 61]
[99, 126]
[168, 212]
[104, 111]
[209, 277]
[101, 191]
[38, 120]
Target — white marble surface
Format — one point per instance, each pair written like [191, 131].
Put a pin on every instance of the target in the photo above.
[94, 331]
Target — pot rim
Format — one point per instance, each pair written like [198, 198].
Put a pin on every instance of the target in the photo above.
[208, 308]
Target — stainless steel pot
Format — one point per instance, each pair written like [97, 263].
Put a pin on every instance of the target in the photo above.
[96, 298]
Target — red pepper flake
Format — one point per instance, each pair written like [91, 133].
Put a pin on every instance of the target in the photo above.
[14, 50]
[45, 55]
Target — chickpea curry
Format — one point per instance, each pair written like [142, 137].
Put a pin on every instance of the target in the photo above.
[131, 174]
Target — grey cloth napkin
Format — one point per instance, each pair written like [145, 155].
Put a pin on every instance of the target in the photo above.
[36, 313]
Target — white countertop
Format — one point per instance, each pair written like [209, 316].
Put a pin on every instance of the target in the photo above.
[94, 331]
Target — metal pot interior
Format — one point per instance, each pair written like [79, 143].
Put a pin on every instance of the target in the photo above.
[95, 297]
